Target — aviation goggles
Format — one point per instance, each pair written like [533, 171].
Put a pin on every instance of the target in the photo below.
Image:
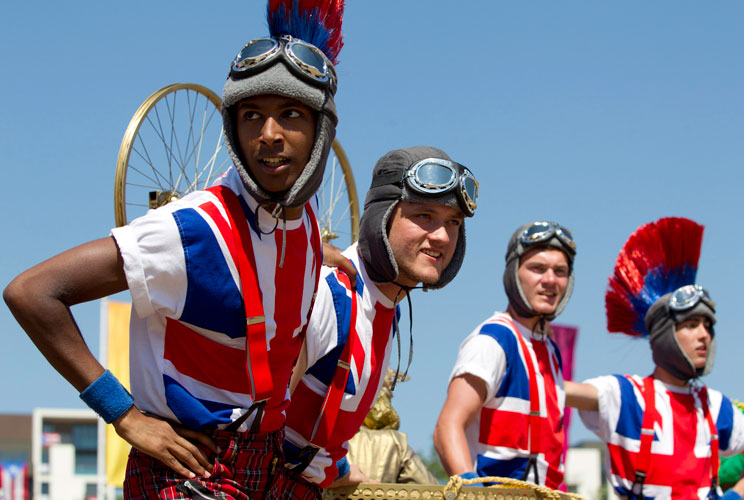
[436, 176]
[540, 232]
[688, 296]
[304, 59]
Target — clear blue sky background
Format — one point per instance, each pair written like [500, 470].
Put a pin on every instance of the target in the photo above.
[600, 115]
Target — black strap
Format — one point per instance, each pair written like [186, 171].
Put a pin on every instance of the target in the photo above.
[531, 465]
[713, 493]
[305, 456]
[258, 407]
[640, 478]
[407, 290]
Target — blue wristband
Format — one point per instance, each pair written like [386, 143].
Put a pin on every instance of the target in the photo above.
[471, 475]
[107, 397]
[342, 466]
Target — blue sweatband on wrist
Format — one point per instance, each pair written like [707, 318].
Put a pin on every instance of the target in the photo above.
[342, 466]
[107, 397]
[471, 475]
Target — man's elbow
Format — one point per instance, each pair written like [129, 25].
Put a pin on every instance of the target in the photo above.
[437, 439]
[441, 430]
[14, 295]
[22, 295]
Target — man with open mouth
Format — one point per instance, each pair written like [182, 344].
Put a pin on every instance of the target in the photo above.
[222, 281]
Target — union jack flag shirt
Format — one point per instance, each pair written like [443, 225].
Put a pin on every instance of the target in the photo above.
[188, 353]
[328, 333]
[499, 352]
[680, 464]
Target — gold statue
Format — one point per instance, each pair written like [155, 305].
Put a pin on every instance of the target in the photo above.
[380, 450]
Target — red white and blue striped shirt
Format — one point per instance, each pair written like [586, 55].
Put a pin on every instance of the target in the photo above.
[188, 326]
[327, 335]
[498, 437]
[680, 463]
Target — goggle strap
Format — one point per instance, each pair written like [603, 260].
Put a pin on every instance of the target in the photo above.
[386, 178]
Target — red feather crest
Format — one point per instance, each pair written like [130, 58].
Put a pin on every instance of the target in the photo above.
[658, 258]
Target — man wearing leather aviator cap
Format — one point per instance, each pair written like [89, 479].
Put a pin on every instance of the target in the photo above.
[222, 282]
[503, 415]
[664, 432]
[412, 232]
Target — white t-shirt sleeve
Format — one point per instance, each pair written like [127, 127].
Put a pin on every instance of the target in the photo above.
[483, 357]
[154, 263]
[603, 421]
[321, 335]
[736, 441]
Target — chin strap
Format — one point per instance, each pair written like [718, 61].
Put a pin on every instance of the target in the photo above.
[407, 290]
[541, 327]
[278, 208]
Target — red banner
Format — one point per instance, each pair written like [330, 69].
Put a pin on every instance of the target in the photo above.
[565, 338]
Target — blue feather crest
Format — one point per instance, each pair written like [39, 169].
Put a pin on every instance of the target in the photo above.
[318, 23]
[657, 283]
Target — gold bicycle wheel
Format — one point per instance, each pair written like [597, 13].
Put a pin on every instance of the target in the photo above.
[174, 145]
[339, 204]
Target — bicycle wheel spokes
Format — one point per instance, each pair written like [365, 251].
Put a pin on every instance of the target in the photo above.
[336, 212]
[174, 145]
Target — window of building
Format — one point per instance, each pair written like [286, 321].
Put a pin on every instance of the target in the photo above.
[91, 490]
[85, 439]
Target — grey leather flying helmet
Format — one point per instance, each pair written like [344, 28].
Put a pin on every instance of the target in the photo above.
[528, 237]
[278, 79]
[661, 320]
[387, 189]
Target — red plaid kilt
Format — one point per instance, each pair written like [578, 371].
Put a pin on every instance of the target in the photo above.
[297, 488]
[249, 467]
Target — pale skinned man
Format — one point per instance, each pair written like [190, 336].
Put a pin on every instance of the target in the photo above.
[506, 388]
[412, 234]
[664, 432]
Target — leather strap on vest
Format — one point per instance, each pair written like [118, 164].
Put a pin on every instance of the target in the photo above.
[534, 422]
[241, 249]
[703, 394]
[257, 359]
[643, 461]
[331, 406]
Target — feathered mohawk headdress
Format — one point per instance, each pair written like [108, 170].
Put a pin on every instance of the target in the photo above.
[315, 21]
[658, 258]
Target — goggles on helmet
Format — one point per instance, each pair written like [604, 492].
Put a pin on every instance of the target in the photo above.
[436, 176]
[688, 296]
[304, 59]
[540, 232]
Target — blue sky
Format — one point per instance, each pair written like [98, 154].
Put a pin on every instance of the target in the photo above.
[602, 116]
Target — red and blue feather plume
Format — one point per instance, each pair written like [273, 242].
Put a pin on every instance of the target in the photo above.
[315, 21]
[658, 258]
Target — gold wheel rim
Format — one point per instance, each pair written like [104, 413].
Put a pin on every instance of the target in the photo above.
[140, 116]
[127, 143]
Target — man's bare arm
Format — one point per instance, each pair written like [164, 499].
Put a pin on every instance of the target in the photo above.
[40, 299]
[581, 396]
[332, 257]
[299, 368]
[465, 397]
